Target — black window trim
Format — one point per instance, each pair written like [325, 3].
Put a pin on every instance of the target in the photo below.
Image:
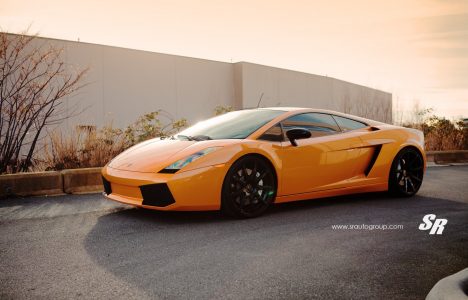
[343, 131]
[282, 133]
[323, 113]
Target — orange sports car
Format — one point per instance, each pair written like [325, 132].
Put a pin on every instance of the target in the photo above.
[243, 161]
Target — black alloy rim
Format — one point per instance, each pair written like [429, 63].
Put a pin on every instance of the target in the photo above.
[409, 173]
[251, 187]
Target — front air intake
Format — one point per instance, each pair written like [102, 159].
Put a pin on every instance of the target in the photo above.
[156, 195]
[107, 186]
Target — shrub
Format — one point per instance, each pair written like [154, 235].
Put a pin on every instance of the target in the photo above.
[440, 133]
[152, 125]
[221, 109]
[91, 148]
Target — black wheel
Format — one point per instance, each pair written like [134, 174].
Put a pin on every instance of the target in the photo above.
[249, 188]
[406, 174]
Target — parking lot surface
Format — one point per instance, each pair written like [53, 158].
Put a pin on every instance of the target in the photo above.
[84, 246]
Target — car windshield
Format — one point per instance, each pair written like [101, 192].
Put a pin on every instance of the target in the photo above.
[233, 125]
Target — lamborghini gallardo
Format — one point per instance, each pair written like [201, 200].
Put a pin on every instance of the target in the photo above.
[244, 161]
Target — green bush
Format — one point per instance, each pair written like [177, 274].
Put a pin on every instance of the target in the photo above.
[221, 109]
[151, 125]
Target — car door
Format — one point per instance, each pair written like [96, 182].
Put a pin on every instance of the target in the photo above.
[324, 161]
[367, 153]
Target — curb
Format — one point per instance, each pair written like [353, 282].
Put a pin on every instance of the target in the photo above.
[73, 181]
[433, 164]
[31, 184]
[82, 180]
[447, 157]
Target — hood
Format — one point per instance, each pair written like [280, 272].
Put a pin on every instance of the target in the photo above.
[149, 156]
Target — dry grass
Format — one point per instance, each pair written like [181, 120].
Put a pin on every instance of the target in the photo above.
[85, 147]
[82, 149]
[440, 141]
[441, 134]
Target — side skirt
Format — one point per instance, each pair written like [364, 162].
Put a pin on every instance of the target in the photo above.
[376, 187]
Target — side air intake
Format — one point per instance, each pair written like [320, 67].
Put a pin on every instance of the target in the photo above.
[374, 157]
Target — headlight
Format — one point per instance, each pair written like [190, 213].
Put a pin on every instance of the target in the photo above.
[176, 166]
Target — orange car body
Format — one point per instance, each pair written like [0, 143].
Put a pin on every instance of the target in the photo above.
[325, 166]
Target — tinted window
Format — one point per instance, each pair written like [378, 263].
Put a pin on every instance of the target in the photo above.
[274, 134]
[318, 124]
[233, 125]
[348, 124]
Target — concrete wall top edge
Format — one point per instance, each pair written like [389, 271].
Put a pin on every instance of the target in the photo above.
[125, 49]
[310, 74]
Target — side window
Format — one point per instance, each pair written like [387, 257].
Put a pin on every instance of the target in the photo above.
[318, 124]
[274, 134]
[348, 124]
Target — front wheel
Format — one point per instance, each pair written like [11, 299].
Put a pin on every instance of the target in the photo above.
[406, 174]
[249, 188]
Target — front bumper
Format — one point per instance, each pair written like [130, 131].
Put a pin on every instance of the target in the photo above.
[157, 194]
[198, 189]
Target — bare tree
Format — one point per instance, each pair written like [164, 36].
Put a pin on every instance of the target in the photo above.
[347, 104]
[34, 82]
[397, 111]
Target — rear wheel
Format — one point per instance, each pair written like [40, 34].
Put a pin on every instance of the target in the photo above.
[249, 188]
[406, 174]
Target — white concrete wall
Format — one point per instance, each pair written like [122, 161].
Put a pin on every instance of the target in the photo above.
[282, 87]
[123, 84]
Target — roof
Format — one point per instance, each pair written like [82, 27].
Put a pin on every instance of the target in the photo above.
[285, 108]
[299, 109]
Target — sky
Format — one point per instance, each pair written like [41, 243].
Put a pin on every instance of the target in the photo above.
[417, 50]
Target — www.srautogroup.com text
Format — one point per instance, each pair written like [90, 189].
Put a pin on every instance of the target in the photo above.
[368, 227]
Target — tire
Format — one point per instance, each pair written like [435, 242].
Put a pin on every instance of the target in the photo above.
[249, 188]
[406, 173]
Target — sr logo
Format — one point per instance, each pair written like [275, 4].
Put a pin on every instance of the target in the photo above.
[435, 225]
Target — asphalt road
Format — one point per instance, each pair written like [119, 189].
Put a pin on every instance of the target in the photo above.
[86, 247]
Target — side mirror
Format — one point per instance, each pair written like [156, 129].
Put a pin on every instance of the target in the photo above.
[297, 134]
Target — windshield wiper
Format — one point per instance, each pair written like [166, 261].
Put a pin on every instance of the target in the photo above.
[187, 137]
[194, 138]
[201, 137]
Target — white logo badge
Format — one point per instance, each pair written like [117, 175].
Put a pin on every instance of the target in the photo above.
[435, 225]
